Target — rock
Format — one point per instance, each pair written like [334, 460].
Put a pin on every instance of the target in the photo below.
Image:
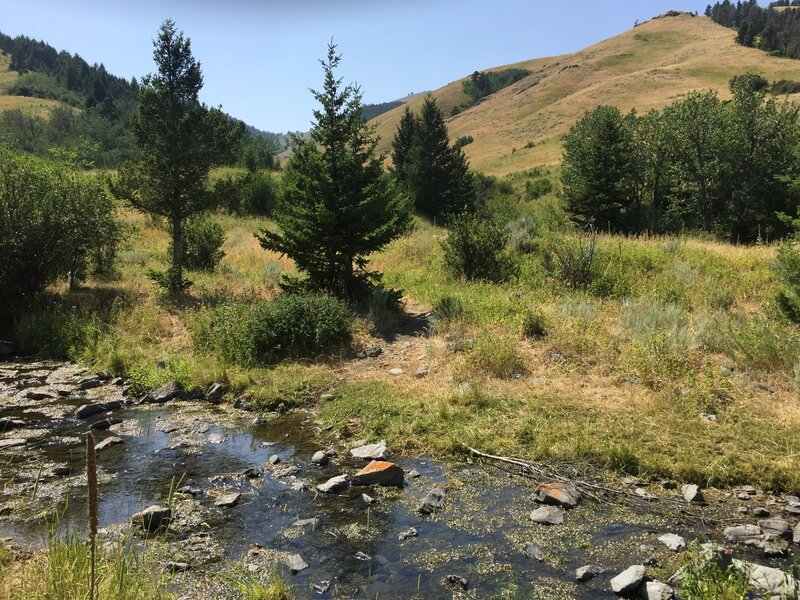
[381, 473]
[295, 563]
[432, 502]
[645, 495]
[118, 381]
[796, 534]
[320, 458]
[691, 493]
[548, 515]
[774, 582]
[743, 534]
[227, 500]
[177, 567]
[559, 494]
[743, 496]
[672, 541]
[668, 485]
[422, 371]
[214, 393]
[531, 550]
[361, 556]
[655, 590]
[89, 383]
[368, 499]
[274, 459]
[194, 393]
[334, 485]
[411, 532]
[165, 393]
[777, 526]
[112, 440]
[191, 490]
[773, 546]
[396, 371]
[377, 451]
[587, 572]
[760, 512]
[455, 582]
[105, 423]
[313, 522]
[41, 395]
[8, 424]
[373, 351]
[286, 471]
[153, 518]
[627, 581]
[217, 438]
[89, 410]
[413, 474]
[12, 442]
[62, 471]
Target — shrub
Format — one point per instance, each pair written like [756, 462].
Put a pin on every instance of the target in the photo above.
[496, 356]
[203, 239]
[259, 194]
[475, 250]
[537, 188]
[534, 325]
[523, 233]
[290, 326]
[446, 311]
[709, 578]
[576, 256]
[384, 307]
[787, 269]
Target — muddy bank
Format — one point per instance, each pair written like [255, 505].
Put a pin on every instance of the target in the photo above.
[242, 488]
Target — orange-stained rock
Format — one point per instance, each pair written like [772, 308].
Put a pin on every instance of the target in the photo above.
[560, 494]
[380, 472]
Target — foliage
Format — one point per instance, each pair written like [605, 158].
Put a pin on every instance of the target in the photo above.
[534, 325]
[258, 152]
[447, 310]
[537, 188]
[290, 326]
[481, 84]
[576, 257]
[496, 356]
[258, 194]
[203, 239]
[475, 249]
[774, 31]
[52, 220]
[523, 233]
[339, 205]
[708, 578]
[179, 140]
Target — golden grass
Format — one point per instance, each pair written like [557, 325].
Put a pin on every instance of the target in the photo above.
[647, 67]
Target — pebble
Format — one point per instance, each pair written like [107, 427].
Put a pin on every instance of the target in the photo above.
[411, 532]
[320, 458]
[227, 500]
[432, 502]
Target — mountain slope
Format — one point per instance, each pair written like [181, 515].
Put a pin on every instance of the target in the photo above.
[647, 67]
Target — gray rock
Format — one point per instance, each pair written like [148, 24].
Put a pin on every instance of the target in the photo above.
[777, 526]
[286, 471]
[373, 351]
[62, 471]
[672, 541]
[432, 502]
[396, 371]
[274, 459]
[411, 532]
[655, 590]
[165, 393]
[645, 495]
[227, 500]
[796, 534]
[668, 485]
[112, 440]
[366, 499]
[153, 518]
[320, 458]
[558, 494]
[118, 381]
[531, 550]
[334, 485]
[41, 395]
[105, 423]
[773, 546]
[692, 493]
[627, 581]
[455, 582]
[217, 438]
[377, 451]
[194, 393]
[89, 410]
[362, 556]
[587, 572]
[778, 584]
[422, 371]
[760, 512]
[548, 515]
[89, 383]
[12, 442]
[743, 534]
[413, 474]
[313, 522]
[743, 496]
[214, 393]
[295, 563]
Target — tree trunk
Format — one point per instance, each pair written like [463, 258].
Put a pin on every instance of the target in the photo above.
[176, 276]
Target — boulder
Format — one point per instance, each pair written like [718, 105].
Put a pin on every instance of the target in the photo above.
[320, 458]
[214, 393]
[432, 502]
[774, 582]
[691, 493]
[381, 473]
[377, 451]
[112, 440]
[153, 518]
[334, 485]
[89, 410]
[761, 512]
[558, 494]
[655, 590]
[672, 541]
[295, 563]
[777, 526]
[627, 581]
[227, 500]
[165, 393]
[587, 572]
[89, 383]
[104, 424]
[548, 515]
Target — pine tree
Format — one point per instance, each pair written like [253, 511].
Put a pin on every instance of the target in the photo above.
[339, 205]
[403, 147]
[179, 140]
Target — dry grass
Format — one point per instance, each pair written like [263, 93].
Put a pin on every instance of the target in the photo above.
[647, 67]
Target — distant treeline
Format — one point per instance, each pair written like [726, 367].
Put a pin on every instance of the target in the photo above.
[480, 84]
[96, 123]
[375, 110]
[774, 29]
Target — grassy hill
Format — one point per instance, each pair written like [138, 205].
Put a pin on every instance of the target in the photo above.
[36, 106]
[647, 67]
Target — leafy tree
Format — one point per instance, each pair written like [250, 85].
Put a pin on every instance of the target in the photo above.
[179, 140]
[475, 249]
[339, 205]
[599, 169]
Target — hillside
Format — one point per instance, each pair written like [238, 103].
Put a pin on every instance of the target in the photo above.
[647, 67]
[36, 106]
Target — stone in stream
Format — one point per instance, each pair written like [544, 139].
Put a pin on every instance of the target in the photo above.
[655, 590]
[295, 563]
[531, 550]
[760, 512]
[380, 473]
[362, 556]
[62, 471]
[691, 493]
[320, 458]
[413, 474]
[672, 541]
[12, 442]
[368, 499]
[774, 582]
[89, 410]
[105, 423]
[627, 581]
[214, 393]
[455, 582]
[587, 572]
[89, 383]
[334, 485]
[377, 451]
[153, 518]
[165, 393]
[108, 442]
[227, 500]
[432, 502]
[748, 534]
[558, 494]
[9, 424]
[286, 471]
[411, 532]
[41, 394]
[118, 381]
[777, 526]
[313, 522]
[548, 515]
[773, 546]
[274, 459]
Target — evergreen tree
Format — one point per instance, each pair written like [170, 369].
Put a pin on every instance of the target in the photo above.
[179, 140]
[403, 147]
[339, 204]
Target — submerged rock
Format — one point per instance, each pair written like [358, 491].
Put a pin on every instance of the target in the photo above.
[153, 518]
[455, 582]
[432, 502]
[228, 500]
[411, 532]
[320, 458]
[381, 473]
[334, 485]
[108, 442]
[295, 563]
[548, 515]
[533, 551]
[587, 572]
[377, 451]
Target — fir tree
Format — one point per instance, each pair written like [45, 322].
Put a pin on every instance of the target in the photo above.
[403, 147]
[339, 204]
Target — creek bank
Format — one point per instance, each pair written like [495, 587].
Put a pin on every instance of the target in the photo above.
[231, 489]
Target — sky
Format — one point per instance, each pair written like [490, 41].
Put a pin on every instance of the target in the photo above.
[260, 58]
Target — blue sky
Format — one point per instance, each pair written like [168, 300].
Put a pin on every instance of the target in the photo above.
[260, 58]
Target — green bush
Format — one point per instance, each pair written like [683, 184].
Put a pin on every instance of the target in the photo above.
[203, 239]
[475, 250]
[290, 326]
[534, 325]
[523, 233]
[787, 269]
[447, 310]
[260, 194]
[537, 188]
[496, 356]
[575, 257]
